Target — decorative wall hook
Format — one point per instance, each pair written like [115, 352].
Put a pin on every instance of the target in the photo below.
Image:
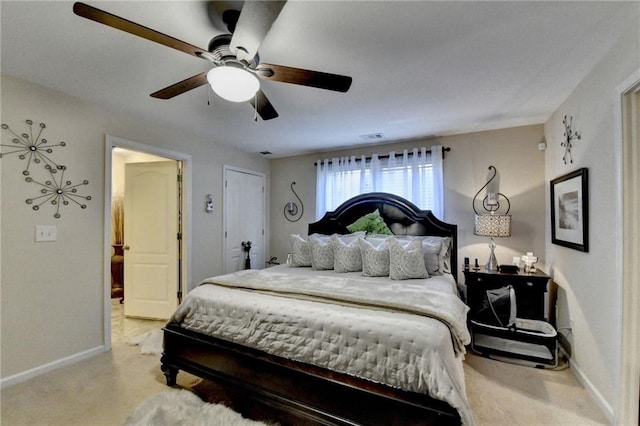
[291, 211]
[569, 136]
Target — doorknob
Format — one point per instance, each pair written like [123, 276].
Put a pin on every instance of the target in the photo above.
[126, 248]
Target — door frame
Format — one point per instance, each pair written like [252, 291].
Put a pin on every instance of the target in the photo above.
[186, 261]
[627, 141]
[225, 169]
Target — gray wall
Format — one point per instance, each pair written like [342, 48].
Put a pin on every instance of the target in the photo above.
[590, 284]
[514, 152]
[52, 293]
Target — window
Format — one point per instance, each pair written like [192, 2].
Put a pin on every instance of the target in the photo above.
[415, 175]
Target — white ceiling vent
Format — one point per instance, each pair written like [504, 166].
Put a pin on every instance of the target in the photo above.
[372, 137]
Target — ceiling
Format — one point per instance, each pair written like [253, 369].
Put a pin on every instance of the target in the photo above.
[419, 68]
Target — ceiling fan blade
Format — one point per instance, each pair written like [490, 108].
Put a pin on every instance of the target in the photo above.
[181, 87]
[106, 18]
[256, 19]
[266, 111]
[321, 80]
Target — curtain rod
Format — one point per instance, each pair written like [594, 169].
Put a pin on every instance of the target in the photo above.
[386, 156]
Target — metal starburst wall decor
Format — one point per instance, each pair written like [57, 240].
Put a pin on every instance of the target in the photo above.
[569, 136]
[58, 193]
[31, 149]
[35, 150]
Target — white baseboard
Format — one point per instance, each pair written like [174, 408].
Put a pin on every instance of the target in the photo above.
[54, 365]
[593, 392]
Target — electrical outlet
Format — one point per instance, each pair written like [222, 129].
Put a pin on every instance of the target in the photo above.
[46, 233]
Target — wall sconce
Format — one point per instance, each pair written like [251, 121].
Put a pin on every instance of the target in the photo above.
[291, 211]
[208, 204]
[492, 223]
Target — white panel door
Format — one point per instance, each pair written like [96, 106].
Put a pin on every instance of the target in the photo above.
[244, 219]
[151, 239]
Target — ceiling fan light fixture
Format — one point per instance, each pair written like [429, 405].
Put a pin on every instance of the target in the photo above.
[233, 83]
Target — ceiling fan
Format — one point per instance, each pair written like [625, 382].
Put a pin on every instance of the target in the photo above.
[236, 70]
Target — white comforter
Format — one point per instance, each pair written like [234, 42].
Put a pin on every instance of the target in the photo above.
[408, 334]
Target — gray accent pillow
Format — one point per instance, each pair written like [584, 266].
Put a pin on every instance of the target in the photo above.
[437, 250]
[321, 253]
[346, 255]
[375, 259]
[300, 251]
[406, 260]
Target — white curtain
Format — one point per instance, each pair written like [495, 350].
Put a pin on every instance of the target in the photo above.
[416, 175]
[337, 180]
[437, 181]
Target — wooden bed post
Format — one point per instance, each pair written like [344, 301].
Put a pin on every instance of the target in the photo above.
[170, 373]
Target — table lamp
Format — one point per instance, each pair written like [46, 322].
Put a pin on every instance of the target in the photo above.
[491, 223]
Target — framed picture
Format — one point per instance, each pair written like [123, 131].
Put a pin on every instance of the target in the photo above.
[570, 210]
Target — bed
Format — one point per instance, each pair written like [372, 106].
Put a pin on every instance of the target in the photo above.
[318, 346]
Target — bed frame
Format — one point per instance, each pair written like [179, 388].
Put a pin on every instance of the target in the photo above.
[298, 393]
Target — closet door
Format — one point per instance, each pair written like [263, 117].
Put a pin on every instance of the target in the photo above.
[244, 218]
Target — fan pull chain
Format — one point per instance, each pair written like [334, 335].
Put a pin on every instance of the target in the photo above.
[255, 109]
[208, 94]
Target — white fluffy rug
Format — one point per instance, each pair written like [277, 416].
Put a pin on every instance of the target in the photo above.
[150, 343]
[181, 407]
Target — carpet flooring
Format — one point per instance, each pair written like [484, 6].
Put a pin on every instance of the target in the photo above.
[506, 394]
[183, 407]
[106, 389]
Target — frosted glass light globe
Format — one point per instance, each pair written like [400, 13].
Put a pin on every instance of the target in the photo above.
[233, 83]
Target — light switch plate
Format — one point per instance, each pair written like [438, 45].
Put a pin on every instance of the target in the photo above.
[46, 233]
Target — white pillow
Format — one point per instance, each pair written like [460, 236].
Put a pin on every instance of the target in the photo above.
[377, 238]
[321, 253]
[346, 255]
[431, 250]
[300, 251]
[321, 237]
[375, 259]
[444, 257]
[406, 260]
[347, 238]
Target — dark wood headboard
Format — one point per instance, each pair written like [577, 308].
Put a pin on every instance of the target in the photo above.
[402, 216]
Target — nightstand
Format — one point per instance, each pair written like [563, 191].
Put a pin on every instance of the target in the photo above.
[530, 290]
[533, 338]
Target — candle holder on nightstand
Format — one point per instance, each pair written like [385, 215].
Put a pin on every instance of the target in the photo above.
[530, 262]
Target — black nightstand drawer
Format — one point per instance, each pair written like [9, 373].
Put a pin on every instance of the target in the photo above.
[532, 338]
[530, 291]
